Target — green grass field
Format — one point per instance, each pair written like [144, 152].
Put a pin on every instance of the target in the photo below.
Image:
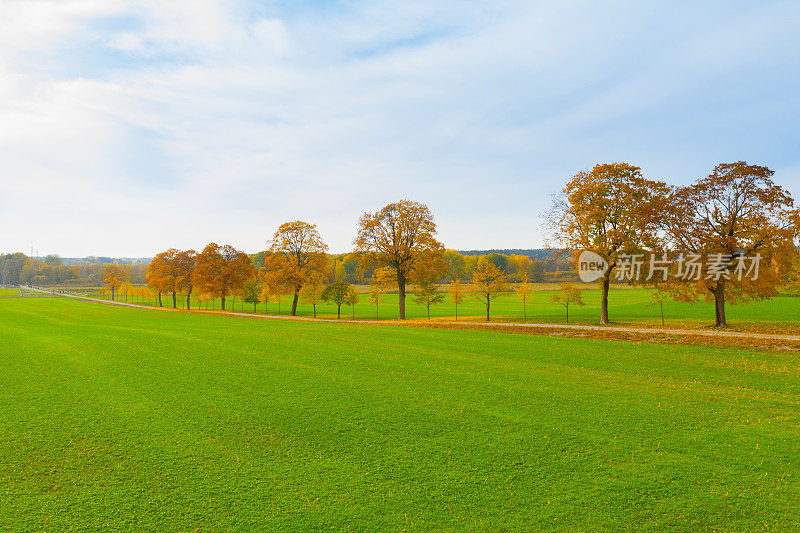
[626, 307]
[126, 419]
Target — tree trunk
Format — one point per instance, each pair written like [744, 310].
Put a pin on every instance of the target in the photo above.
[429, 311]
[294, 302]
[456, 312]
[189, 300]
[604, 300]
[159, 299]
[662, 313]
[339, 312]
[401, 294]
[112, 294]
[315, 310]
[719, 304]
[223, 303]
[174, 300]
[567, 314]
[488, 303]
[524, 312]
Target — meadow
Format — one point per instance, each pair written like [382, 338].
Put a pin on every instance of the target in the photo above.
[627, 307]
[128, 419]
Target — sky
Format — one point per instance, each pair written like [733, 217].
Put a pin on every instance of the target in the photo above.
[128, 127]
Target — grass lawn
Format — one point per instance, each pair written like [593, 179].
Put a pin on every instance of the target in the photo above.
[116, 418]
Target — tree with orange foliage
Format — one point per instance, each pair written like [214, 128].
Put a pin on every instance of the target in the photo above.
[488, 282]
[222, 271]
[397, 236]
[611, 210]
[161, 274]
[185, 265]
[297, 250]
[735, 213]
[113, 277]
[272, 288]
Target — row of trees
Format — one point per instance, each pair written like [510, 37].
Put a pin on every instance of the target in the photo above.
[736, 211]
[612, 210]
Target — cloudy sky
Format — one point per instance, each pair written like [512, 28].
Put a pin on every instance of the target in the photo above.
[130, 126]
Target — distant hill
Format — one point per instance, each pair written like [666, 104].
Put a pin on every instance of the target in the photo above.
[533, 253]
[69, 261]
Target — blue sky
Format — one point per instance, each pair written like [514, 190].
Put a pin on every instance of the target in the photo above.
[130, 127]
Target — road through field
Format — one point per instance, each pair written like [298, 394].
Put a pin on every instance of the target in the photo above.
[556, 327]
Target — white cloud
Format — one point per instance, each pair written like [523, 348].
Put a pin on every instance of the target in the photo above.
[142, 125]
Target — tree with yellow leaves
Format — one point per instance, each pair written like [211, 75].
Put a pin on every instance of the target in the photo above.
[733, 217]
[396, 237]
[457, 293]
[611, 210]
[272, 288]
[113, 277]
[352, 298]
[313, 289]
[376, 296]
[524, 292]
[126, 289]
[297, 251]
[488, 282]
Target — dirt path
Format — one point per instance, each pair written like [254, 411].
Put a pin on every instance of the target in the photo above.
[554, 327]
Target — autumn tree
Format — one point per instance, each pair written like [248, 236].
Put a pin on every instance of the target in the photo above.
[113, 277]
[524, 292]
[337, 293]
[126, 289]
[427, 293]
[376, 296]
[488, 282]
[611, 210]
[658, 297]
[272, 288]
[568, 295]
[251, 292]
[185, 264]
[457, 293]
[396, 237]
[352, 299]
[313, 289]
[733, 218]
[222, 271]
[161, 274]
[297, 251]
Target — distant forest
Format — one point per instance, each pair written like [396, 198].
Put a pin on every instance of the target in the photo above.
[533, 253]
[539, 265]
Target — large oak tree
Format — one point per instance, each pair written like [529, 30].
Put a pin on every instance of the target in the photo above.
[397, 237]
[732, 215]
[297, 252]
[222, 271]
[610, 210]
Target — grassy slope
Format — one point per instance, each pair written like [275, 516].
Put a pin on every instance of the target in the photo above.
[132, 419]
